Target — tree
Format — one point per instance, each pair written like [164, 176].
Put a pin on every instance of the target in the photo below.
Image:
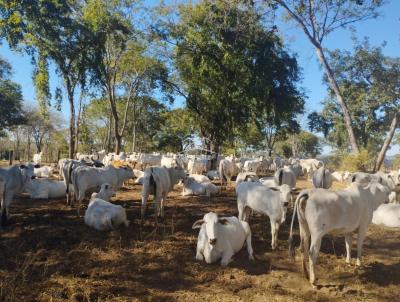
[11, 112]
[302, 144]
[231, 68]
[370, 79]
[51, 30]
[177, 130]
[318, 19]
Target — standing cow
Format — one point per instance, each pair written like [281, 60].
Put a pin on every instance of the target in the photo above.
[159, 181]
[322, 178]
[14, 180]
[322, 211]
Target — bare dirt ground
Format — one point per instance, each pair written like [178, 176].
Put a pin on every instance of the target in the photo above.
[48, 254]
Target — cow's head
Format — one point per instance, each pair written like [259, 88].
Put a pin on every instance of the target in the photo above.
[210, 221]
[27, 171]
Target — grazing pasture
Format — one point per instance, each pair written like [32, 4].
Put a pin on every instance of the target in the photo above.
[48, 254]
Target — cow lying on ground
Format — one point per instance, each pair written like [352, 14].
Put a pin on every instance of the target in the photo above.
[221, 238]
[159, 181]
[387, 215]
[105, 193]
[322, 212]
[45, 171]
[14, 179]
[45, 188]
[272, 202]
[213, 175]
[103, 215]
[193, 187]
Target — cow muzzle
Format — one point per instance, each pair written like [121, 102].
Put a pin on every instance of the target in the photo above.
[212, 241]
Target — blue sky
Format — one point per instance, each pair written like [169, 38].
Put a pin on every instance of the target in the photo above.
[385, 28]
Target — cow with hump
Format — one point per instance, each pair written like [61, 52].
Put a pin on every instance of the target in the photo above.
[322, 211]
[221, 238]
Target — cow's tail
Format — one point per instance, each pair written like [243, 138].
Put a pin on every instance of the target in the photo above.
[323, 178]
[280, 177]
[299, 207]
[68, 177]
[152, 182]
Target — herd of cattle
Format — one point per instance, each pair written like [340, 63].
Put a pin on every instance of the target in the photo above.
[320, 211]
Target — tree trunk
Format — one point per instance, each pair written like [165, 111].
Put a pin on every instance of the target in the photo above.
[71, 120]
[386, 143]
[134, 138]
[28, 147]
[339, 97]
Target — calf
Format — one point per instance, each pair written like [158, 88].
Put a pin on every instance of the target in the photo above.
[221, 238]
[272, 202]
[322, 178]
[103, 215]
[159, 181]
[322, 211]
[105, 193]
[14, 180]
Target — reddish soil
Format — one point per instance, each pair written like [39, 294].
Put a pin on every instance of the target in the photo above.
[48, 254]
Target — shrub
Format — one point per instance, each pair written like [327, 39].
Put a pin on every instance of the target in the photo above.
[361, 161]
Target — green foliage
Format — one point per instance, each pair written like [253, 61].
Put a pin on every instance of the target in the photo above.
[396, 162]
[41, 83]
[302, 144]
[10, 99]
[177, 130]
[232, 67]
[361, 161]
[369, 82]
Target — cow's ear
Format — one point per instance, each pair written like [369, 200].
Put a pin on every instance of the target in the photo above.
[197, 224]
[223, 221]
[36, 166]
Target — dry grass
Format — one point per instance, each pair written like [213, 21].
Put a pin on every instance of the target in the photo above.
[48, 254]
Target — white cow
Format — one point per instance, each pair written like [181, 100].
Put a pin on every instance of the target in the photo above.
[45, 171]
[159, 181]
[221, 238]
[198, 166]
[86, 178]
[322, 178]
[246, 176]
[285, 176]
[340, 176]
[46, 188]
[227, 169]
[387, 215]
[105, 193]
[193, 187]
[37, 158]
[310, 165]
[268, 182]
[103, 215]
[252, 165]
[213, 175]
[322, 211]
[139, 176]
[272, 202]
[14, 179]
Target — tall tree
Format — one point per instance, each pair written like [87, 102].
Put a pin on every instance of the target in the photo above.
[371, 80]
[231, 68]
[11, 112]
[51, 30]
[318, 19]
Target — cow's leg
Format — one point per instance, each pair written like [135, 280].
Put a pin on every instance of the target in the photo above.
[163, 202]
[248, 240]
[274, 234]
[241, 210]
[5, 206]
[348, 238]
[144, 205]
[227, 256]
[314, 250]
[304, 249]
[360, 240]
